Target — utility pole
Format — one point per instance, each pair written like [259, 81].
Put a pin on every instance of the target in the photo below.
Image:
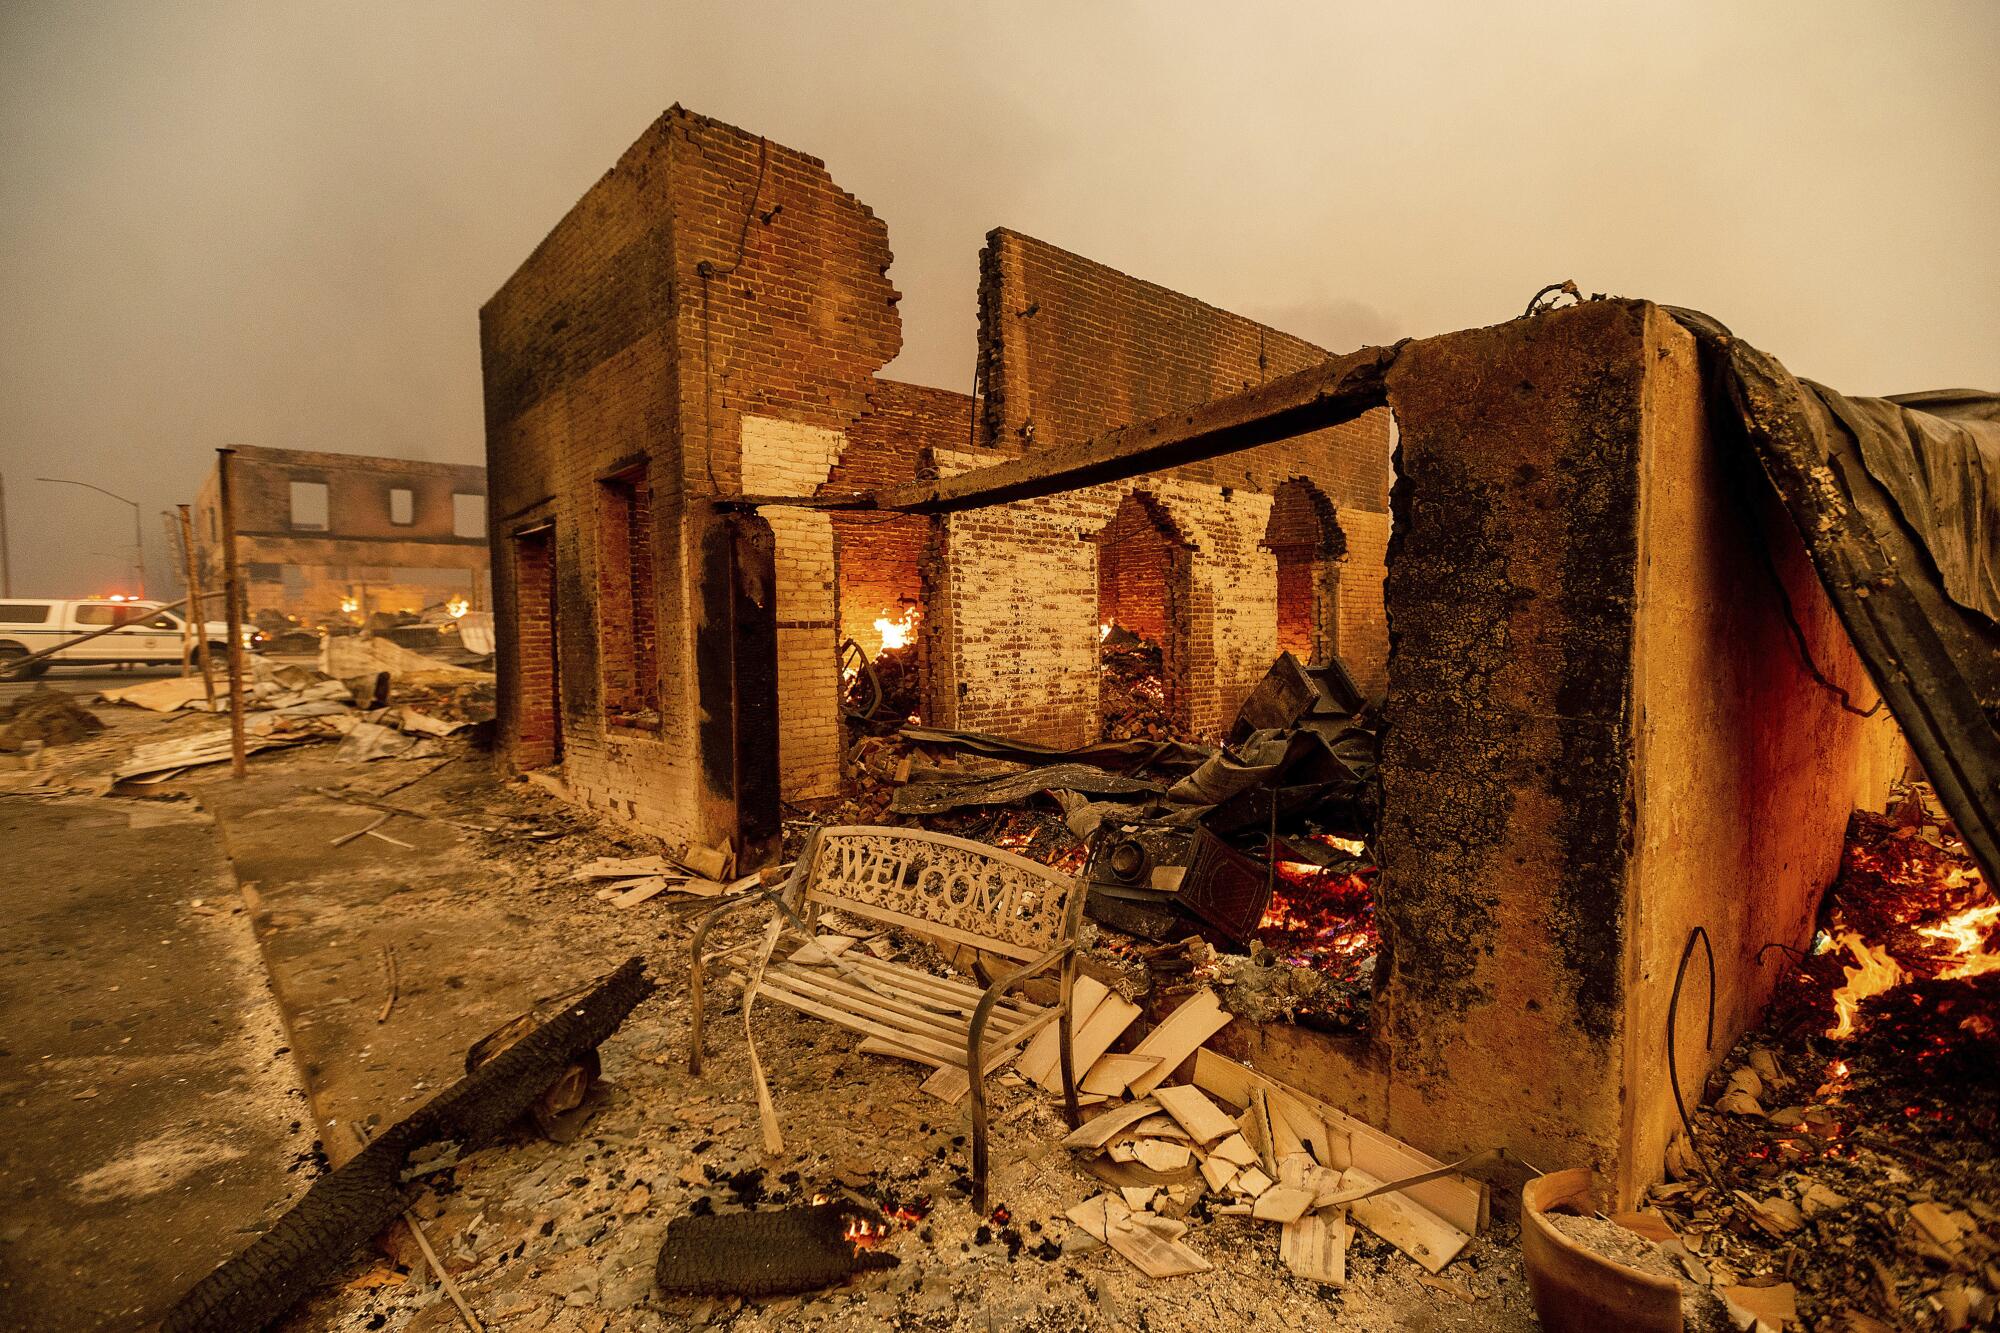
[233, 595]
[138, 529]
[199, 615]
[6, 562]
[175, 543]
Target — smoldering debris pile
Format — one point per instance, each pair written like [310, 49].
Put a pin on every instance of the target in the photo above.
[44, 717]
[1134, 687]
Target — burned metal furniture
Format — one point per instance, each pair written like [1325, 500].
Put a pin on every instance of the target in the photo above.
[954, 891]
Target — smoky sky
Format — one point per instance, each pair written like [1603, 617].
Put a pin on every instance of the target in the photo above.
[274, 224]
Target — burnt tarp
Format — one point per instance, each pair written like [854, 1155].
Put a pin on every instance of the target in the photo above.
[1898, 503]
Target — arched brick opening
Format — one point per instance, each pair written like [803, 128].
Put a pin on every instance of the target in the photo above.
[1144, 589]
[1304, 536]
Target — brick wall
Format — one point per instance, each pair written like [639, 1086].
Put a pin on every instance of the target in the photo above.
[1014, 622]
[531, 729]
[787, 458]
[878, 558]
[1070, 348]
[708, 278]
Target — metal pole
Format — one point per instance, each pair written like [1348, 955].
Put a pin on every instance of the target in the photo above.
[175, 542]
[6, 563]
[233, 590]
[138, 529]
[138, 547]
[199, 617]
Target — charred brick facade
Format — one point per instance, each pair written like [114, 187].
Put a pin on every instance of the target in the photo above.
[708, 318]
[330, 538]
[1070, 349]
[708, 322]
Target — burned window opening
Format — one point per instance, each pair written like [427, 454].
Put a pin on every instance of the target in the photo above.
[1144, 587]
[628, 655]
[536, 699]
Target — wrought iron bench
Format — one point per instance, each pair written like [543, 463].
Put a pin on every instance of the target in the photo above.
[950, 889]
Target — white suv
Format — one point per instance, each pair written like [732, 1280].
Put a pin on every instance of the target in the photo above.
[151, 636]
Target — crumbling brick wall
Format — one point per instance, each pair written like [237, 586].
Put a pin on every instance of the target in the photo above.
[1014, 618]
[1070, 349]
[710, 280]
[878, 557]
[362, 555]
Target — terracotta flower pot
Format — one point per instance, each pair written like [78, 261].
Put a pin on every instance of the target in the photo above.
[1576, 1290]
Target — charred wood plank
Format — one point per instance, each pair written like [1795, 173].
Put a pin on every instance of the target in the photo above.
[345, 1207]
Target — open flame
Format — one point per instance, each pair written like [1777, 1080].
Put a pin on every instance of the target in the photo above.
[863, 1234]
[1966, 933]
[1877, 972]
[457, 607]
[897, 633]
[1909, 908]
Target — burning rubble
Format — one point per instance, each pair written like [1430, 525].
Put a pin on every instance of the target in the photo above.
[1845, 1158]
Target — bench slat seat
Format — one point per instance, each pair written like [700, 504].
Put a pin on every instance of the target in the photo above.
[943, 887]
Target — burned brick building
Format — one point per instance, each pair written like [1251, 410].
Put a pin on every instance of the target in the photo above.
[331, 539]
[708, 323]
[1618, 698]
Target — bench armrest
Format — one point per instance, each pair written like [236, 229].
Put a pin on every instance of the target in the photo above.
[698, 969]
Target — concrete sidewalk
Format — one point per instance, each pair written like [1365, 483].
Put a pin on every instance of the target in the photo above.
[154, 1121]
[330, 919]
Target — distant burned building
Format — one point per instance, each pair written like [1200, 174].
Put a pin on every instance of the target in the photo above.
[333, 538]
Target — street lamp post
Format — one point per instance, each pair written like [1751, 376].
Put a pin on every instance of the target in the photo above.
[138, 531]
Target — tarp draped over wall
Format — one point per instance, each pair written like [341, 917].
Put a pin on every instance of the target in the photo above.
[1898, 504]
[1938, 456]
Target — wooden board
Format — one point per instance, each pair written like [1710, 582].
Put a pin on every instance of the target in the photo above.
[1038, 1064]
[1160, 1155]
[1112, 1073]
[1108, 1219]
[1217, 1173]
[1421, 1234]
[1100, 1130]
[1198, 1018]
[1160, 1126]
[1460, 1202]
[820, 949]
[1282, 1203]
[952, 1084]
[1113, 1015]
[883, 1046]
[1235, 1150]
[640, 890]
[1315, 1247]
[1191, 1108]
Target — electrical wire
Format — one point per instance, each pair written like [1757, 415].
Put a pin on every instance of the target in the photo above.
[1708, 1042]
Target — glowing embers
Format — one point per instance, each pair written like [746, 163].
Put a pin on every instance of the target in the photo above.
[1323, 917]
[1909, 907]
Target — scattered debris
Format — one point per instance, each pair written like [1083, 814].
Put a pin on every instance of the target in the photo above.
[44, 717]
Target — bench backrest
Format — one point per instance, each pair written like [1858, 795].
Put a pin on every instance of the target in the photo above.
[943, 886]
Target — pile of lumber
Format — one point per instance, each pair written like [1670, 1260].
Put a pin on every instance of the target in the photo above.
[1252, 1145]
[698, 872]
[1258, 1147]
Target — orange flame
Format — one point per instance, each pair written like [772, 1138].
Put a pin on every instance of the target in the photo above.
[897, 633]
[1877, 972]
[1965, 932]
[863, 1234]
